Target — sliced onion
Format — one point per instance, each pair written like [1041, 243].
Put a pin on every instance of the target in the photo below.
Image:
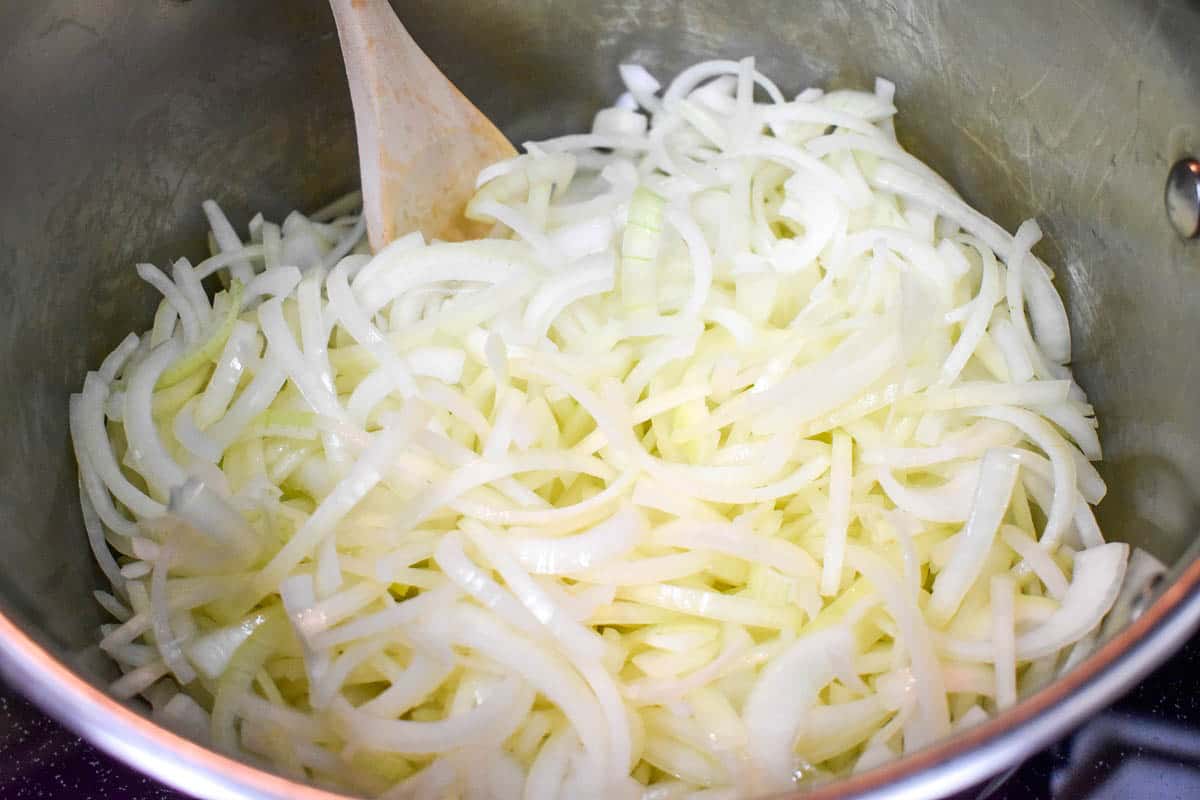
[404, 736]
[611, 539]
[1094, 587]
[649, 482]
[227, 239]
[997, 477]
[732, 540]
[781, 696]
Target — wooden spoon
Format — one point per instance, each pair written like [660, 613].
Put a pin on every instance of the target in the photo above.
[420, 141]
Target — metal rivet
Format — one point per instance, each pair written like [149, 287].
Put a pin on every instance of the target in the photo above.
[1182, 197]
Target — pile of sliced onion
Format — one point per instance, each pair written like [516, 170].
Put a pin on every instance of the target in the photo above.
[742, 455]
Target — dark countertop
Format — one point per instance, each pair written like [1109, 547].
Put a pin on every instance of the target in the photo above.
[41, 760]
[1147, 746]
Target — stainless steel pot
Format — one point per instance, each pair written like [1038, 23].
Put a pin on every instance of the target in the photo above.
[117, 119]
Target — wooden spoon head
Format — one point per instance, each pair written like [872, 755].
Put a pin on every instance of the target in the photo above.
[427, 189]
[421, 143]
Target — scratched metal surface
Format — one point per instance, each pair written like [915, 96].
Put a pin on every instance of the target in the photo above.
[119, 118]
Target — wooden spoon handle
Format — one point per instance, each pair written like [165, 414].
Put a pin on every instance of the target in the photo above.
[421, 143]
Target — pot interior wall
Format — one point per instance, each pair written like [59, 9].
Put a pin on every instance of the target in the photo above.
[118, 119]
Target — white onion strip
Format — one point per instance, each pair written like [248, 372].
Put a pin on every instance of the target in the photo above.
[997, 477]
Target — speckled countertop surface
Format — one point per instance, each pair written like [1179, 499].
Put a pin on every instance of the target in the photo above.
[40, 760]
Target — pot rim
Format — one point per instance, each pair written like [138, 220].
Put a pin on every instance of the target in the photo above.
[951, 765]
